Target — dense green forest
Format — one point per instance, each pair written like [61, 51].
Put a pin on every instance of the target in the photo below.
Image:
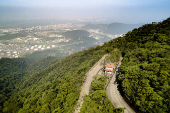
[145, 71]
[144, 75]
[12, 71]
[40, 55]
[97, 101]
[54, 89]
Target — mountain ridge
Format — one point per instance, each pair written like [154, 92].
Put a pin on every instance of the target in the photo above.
[113, 28]
[144, 75]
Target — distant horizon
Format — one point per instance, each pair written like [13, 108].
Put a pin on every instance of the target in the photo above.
[122, 11]
[42, 22]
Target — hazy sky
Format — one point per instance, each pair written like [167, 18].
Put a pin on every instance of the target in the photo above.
[127, 11]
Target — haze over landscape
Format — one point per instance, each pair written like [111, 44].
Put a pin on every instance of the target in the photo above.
[125, 11]
[84, 56]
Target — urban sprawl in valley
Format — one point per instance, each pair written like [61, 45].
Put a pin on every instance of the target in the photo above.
[15, 42]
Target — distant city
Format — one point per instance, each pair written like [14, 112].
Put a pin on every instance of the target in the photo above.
[16, 42]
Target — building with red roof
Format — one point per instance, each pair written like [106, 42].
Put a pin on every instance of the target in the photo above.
[109, 68]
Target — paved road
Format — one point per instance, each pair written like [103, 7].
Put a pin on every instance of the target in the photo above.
[87, 83]
[114, 94]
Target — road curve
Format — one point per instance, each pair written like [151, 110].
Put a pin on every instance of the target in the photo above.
[87, 83]
[114, 94]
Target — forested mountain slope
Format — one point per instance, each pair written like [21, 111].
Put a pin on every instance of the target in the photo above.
[145, 75]
[54, 89]
[12, 72]
[145, 72]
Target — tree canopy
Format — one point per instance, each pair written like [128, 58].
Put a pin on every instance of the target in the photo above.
[54, 87]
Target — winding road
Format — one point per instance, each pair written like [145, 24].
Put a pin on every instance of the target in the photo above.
[114, 94]
[112, 88]
[87, 83]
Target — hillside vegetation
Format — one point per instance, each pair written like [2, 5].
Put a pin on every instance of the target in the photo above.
[144, 75]
[97, 101]
[12, 72]
[54, 89]
[145, 72]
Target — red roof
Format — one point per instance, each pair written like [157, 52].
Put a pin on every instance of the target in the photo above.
[107, 70]
[109, 65]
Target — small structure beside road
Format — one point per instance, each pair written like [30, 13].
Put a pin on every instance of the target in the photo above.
[109, 68]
